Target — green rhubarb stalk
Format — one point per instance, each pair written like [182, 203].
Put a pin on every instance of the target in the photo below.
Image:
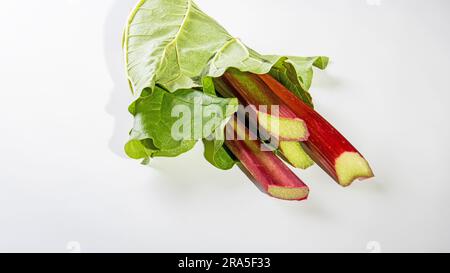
[295, 155]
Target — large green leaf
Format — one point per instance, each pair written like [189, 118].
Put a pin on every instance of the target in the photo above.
[217, 154]
[304, 68]
[157, 115]
[169, 42]
[174, 45]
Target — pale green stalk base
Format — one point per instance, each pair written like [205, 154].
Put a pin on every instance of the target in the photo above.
[288, 193]
[283, 128]
[295, 155]
[351, 166]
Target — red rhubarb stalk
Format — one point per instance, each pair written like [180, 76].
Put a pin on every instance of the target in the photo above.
[249, 89]
[326, 146]
[290, 151]
[269, 173]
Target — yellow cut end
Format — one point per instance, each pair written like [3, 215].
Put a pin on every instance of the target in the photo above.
[288, 193]
[295, 154]
[283, 128]
[351, 166]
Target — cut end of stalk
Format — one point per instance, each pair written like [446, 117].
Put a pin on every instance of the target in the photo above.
[295, 154]
[351, 166]
[286, 193]
[284, 128]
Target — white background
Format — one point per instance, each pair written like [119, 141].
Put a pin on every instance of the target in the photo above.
[64, 120]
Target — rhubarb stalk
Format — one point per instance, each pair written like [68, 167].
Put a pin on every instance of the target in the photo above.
[290, 151]
[295, 155]
[327, 147]
[270, 174]
[248, 88]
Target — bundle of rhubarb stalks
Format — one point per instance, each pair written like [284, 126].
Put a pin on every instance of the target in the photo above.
[304, 137]
[178, 58]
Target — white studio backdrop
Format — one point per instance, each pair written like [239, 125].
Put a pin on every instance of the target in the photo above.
[66, 186]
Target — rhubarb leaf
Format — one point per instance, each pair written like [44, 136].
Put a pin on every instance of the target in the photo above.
[169, 124]
[135, 149]
[304, 68]
[208, 86]
[174, 44]
[215, 151]
[169, 42]
[216, 154]
[296, 74]
[171, 45]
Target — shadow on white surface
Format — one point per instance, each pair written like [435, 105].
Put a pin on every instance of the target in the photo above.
[121, 96]
[325, 80]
